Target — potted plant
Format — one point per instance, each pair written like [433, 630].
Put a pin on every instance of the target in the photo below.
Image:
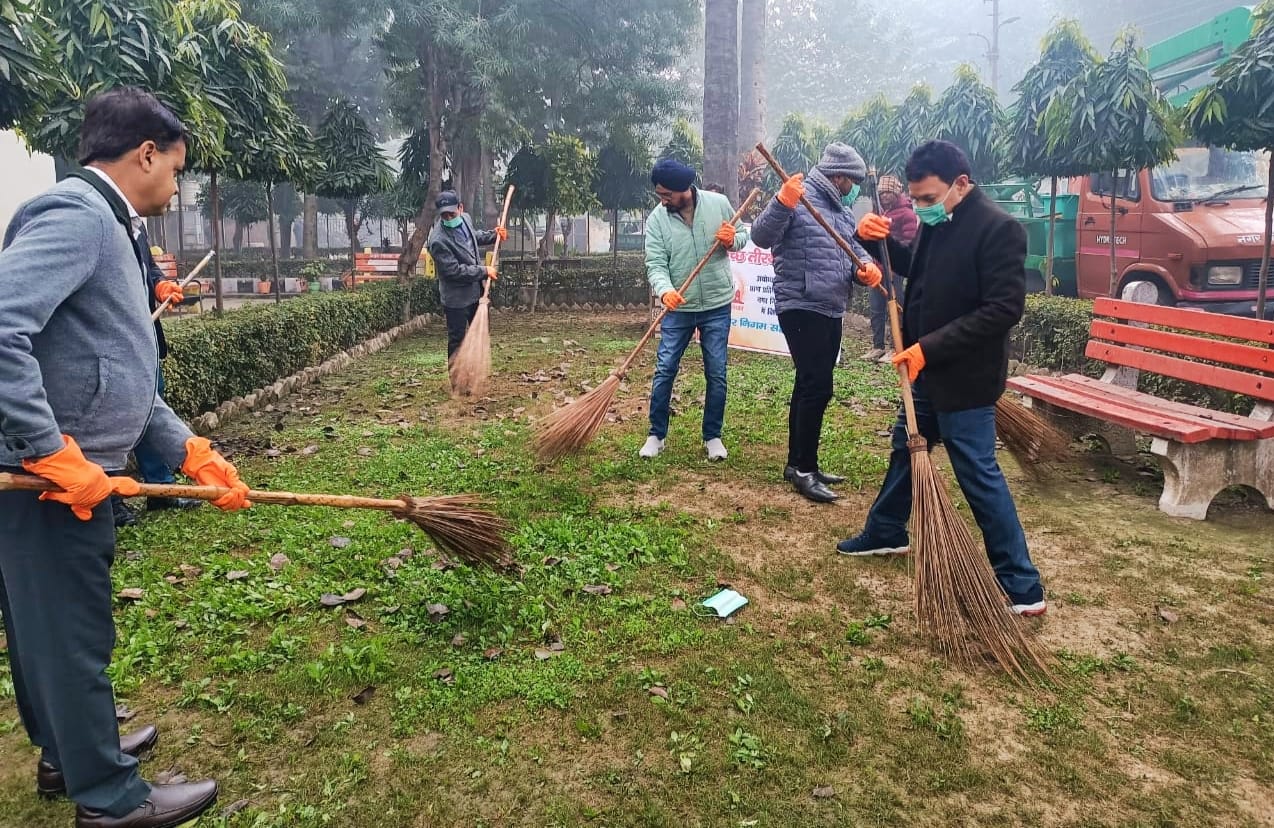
[311, 271]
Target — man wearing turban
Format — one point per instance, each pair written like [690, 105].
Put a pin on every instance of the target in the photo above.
[679, 233]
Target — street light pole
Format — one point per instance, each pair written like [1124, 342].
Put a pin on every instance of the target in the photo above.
[993, 56]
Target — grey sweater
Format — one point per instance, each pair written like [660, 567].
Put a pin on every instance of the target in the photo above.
[458, 263]
[77, 346]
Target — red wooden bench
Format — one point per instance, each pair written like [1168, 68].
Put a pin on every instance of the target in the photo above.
[1201, 451]
[371, 267]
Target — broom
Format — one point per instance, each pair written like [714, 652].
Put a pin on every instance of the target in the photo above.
[570, 428]
[159, 311]
[1031, 439]
[959, 603]
[459, 525]
[471, 366]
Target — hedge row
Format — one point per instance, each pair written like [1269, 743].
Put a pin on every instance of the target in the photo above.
[213, 359]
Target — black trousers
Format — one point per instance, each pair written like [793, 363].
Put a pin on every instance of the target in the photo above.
[55, 593]
[814, 341]
[458, 320]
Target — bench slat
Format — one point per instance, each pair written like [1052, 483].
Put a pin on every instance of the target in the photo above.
[1235, 327]
[1240, 423]
[1150, 407]
[1244, 356]
[1226, 379]
[1161, 424]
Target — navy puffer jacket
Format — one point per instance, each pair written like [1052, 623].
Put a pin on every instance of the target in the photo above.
[810, 271]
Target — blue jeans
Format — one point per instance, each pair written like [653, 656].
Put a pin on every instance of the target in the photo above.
[969, 436]
[150, 463]
[675, 333]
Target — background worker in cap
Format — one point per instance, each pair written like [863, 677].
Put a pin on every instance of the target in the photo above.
[78, 380]
[678, 234]
[903, 227]
[454, 244]
[812, 282]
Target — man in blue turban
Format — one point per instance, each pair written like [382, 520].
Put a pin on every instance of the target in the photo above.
[678, 233]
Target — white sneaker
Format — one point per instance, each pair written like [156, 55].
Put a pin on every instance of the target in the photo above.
[653, 448]
[1034, 610]
[716, 449]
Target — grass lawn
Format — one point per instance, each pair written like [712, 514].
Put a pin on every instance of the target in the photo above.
[589, 692]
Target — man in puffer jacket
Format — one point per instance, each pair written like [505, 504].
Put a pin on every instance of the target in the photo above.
[812, 282]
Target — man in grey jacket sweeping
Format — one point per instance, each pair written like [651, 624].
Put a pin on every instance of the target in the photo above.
[812, 281]
[453, 244]
[78, 379]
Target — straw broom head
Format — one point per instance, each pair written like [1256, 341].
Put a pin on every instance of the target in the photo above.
[570, 428]
[462, 526]
[471, 366]
[960, 605]
[1033, 441]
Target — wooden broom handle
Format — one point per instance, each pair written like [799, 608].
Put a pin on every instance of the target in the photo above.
[895, 312]
[32, 483]
[805, 202]
[495, 251]
[622, 370]
[159, 311]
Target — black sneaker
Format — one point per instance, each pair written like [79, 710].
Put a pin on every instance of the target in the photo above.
[809, 487]
[124, 516]
[863, 546]
[158, 504]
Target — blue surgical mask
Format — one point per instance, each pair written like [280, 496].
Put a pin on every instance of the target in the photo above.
[851, 196]
[937, 213]
[453, 223]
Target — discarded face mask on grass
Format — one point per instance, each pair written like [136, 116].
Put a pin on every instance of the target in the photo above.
[724, 604]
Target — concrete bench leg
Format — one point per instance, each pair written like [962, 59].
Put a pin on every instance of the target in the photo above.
[1194, 474]
[1120, 441]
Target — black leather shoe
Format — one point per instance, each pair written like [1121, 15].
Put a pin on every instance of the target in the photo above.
[124, 516]
[158, 504]
[168, 806]
[811, 489]
[821, 476]
[48, 779]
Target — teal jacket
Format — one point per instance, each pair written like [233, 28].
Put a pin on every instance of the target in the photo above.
[673, 249]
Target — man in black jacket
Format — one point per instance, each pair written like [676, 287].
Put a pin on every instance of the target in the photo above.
[965, 290]
[453, 244]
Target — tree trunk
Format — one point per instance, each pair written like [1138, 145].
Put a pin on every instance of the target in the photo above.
[752, 75]
[614, 234]
[274, 250]
[437, 151]
[721, 95]
[486, 186]
[470, 164]
[351, 230]
[1263, 280]
[215, 209]
[542, 253]
[1052, 226]
[285, 235]
[309, 232]
[1114, 201]
[237, 238]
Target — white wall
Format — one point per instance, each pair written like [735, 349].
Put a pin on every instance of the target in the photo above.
[24, 175]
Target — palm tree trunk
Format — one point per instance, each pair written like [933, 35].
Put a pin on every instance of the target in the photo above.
[1114, 201]
[1263, 280]
[274, 249]
[215, 208]
[1052, 226]
[752, 75]
[721, 95]
[309, 230]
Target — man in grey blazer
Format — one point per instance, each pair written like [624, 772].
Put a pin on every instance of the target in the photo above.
[78, 378]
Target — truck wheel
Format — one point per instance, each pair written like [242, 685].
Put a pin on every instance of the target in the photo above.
[1163, 296]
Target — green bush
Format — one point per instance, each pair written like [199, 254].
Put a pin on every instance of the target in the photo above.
[214, 359]
[599, 280]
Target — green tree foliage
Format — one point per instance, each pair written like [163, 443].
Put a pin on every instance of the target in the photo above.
[968, 115]
[243, 202]
[794, 148]
[684, 146]
[912, 126]
[621, 178]
[353, 165]
[26, 64]
[1237, 111]
[870, 133]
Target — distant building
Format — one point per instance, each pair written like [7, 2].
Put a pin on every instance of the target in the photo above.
[25, 175]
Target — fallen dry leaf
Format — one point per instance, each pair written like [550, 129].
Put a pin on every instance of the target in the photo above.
[492, 653]
[237, 574]
[365, 695]
[611, 567]
[132, 594]
[445, 675]
[278, 561]
[1168, 616]
[310, 449]
[678, 604]
[542, 654]
[597, 589]
[823, 792]
[459, 640]
[327, 599]
[123, 714]
[234, 808]
[190, 571]
[353, 619]
[437, 612]
[661, 692]
[354, 594]
[170, 777]
[339, 543]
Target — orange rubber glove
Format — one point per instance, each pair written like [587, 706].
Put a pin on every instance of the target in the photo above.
[491, 273]
[84, 485]
[869, 274]
[672, 299]
[725, 235]
[913, 358]
[502, 233]
[166, 289]
[874, 227]
[208, 468]
[792, 191]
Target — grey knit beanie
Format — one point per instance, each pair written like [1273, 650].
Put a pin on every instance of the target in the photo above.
[842, 159]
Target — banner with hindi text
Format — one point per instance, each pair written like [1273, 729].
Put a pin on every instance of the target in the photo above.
[754, 324]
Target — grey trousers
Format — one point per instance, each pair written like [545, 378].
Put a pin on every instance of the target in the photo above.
[55, 593]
